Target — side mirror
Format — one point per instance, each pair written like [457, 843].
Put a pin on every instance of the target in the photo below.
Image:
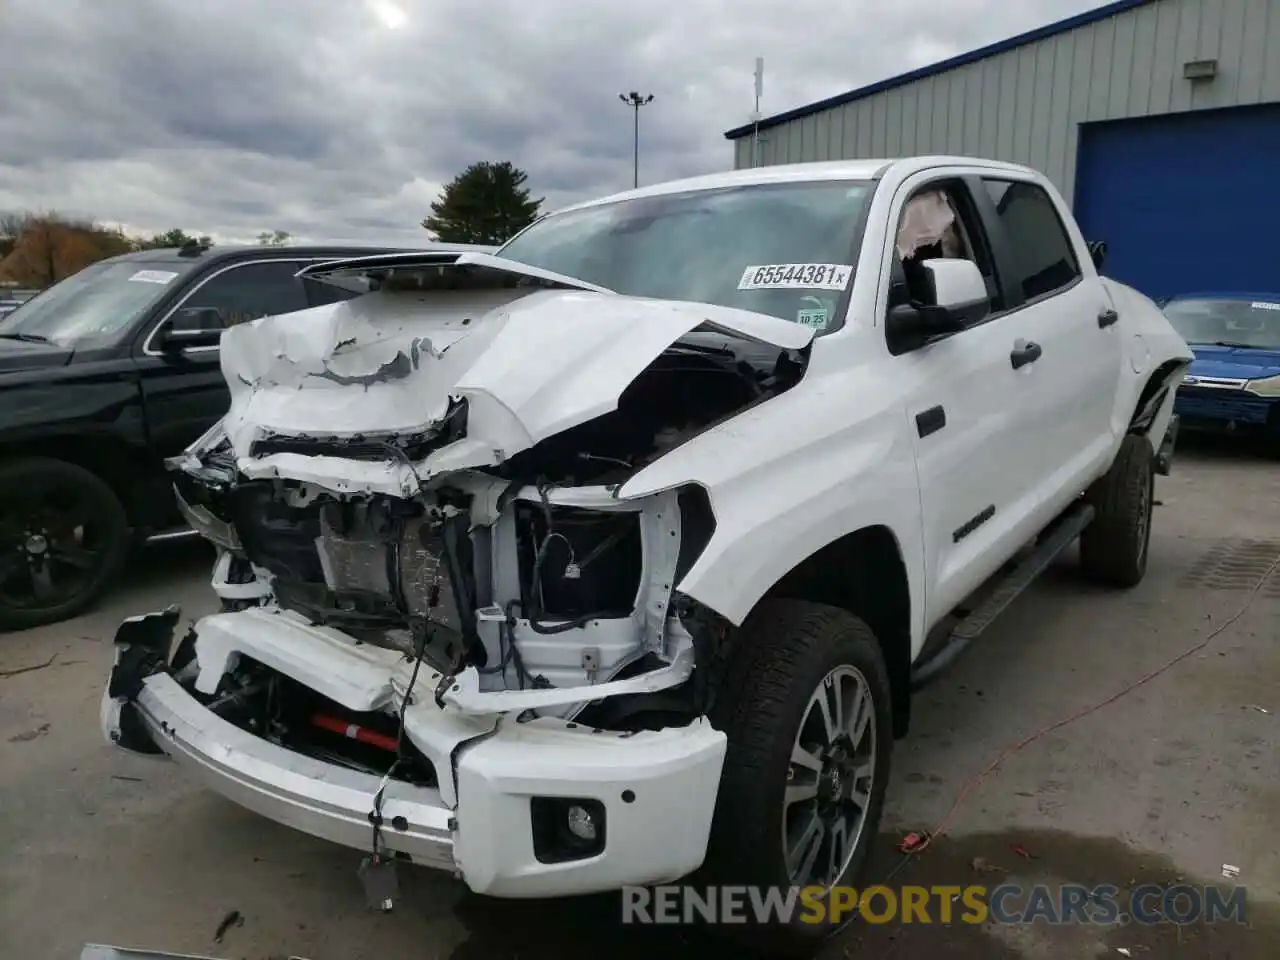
[957, 297]
[1098, 253]
[191, 327]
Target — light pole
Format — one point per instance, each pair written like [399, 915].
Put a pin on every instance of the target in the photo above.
[635, 101]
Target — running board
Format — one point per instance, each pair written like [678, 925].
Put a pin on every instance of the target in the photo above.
[1056, 538]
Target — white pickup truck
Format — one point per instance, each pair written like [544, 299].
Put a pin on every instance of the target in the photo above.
[616, 555]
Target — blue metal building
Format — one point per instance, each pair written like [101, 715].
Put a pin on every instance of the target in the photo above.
[1159, 120]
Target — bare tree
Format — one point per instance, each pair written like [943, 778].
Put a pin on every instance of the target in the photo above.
[48, 247]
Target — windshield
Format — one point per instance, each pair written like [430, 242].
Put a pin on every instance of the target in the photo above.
[1231, 323]
[784, 249]
[95, 304]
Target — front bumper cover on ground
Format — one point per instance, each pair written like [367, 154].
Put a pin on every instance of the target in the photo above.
[657, 789]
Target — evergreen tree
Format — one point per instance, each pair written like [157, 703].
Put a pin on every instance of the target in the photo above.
[487, 203]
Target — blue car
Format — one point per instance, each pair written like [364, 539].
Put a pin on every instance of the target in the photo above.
[1234, 382]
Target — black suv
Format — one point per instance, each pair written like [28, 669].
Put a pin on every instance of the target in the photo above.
[102, 377]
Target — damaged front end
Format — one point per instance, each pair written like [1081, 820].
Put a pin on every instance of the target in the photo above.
[444, 633]
[526, 597]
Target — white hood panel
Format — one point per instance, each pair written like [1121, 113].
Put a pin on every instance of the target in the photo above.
[530, 363]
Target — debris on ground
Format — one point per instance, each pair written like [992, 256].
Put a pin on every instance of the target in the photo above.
[101, 951]
[980, 865]
[1023, 852]
[1124, 952]
[1230, 871]
[35, 666]
[121, 776]
[913, 842]
[1254, 706]
[233, 919]
[28, 735]
[381, 882]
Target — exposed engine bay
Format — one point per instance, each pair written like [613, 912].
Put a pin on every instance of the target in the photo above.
[526, 585]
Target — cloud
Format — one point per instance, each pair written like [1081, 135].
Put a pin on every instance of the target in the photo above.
[341, 118]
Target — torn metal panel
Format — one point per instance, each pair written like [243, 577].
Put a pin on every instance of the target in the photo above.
[466, 695]
[391, 364]
[328, 661]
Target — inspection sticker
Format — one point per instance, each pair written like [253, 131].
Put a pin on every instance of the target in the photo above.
[796, 276]
[812, 317]
[152, 276]
[1265, 306]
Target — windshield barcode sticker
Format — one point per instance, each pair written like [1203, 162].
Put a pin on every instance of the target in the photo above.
[152, 276]
[796, 276]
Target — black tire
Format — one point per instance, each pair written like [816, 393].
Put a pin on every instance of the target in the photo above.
[99, 556]
[1113, 548]
[780, 656]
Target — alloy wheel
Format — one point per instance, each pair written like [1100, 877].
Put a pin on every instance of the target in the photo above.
[829, 780]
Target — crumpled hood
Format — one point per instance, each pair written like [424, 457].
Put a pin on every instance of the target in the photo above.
[529, 364]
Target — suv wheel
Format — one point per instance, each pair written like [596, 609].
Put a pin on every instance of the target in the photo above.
[806, 708]
[64, 537]
[1113, 548]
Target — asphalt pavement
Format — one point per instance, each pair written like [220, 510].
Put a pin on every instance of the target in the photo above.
[1165, 785]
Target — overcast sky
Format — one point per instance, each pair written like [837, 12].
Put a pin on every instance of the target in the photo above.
[341, 118]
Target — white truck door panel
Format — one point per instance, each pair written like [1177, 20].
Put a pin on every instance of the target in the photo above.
[961, 407]
[1068, 393]
[1065, 397]
[972, 468]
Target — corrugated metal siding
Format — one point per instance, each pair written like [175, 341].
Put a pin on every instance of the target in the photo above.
[1026, 105]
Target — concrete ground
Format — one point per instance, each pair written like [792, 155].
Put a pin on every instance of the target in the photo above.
[1165, 785]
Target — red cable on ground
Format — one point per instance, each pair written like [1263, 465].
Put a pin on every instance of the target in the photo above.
[922, 844]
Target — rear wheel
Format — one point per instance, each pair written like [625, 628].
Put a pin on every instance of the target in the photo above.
[64, 537]
[1113, 548]
[806, 708]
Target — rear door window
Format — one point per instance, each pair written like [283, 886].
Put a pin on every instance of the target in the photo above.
[1042, 257]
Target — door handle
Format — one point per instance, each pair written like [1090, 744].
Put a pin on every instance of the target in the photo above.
[1107, 317]
[1027, 353]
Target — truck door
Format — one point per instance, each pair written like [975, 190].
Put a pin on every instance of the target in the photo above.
[960, 401]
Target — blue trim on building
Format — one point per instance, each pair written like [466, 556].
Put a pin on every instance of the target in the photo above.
[973, 56]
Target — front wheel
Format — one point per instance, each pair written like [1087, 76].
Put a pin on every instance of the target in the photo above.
[807, 711]
[64, 537]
